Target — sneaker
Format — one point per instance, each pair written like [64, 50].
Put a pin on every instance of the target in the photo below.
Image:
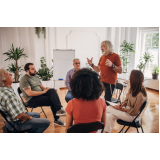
[59, 122]
[61, 112]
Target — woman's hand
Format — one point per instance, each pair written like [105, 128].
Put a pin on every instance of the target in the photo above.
[118, 106]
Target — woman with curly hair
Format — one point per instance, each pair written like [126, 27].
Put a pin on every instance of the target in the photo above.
[87, 106]
[130, 108]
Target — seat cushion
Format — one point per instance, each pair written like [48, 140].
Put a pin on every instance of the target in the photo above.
[132, 124]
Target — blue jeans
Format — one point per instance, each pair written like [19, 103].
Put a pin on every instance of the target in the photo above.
[36, 124]
[68, 96]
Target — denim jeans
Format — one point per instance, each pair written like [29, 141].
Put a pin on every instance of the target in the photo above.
[68, 96]
[36, 124]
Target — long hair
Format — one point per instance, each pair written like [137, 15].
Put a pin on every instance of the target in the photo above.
[136, 83]
[85, 84]
[109, 46]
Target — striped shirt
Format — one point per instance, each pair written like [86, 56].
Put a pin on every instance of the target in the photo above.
[10, 104]
[68, 77]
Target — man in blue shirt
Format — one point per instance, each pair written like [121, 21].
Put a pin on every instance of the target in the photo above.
[76, 64]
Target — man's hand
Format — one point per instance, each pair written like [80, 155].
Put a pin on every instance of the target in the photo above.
[46, 89]
[89, 61]
[27, 119]
[108, 63]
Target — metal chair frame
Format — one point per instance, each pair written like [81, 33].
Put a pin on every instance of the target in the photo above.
[26, 104]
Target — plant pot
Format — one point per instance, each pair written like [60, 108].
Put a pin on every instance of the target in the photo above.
[15, 87]
[154, 76]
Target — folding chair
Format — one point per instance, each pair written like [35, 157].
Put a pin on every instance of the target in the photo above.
[118, 86]
[26, 104]
[135, 123]
[86, 127]
[6, 130]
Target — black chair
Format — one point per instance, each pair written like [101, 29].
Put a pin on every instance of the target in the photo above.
[119, 87]
[86, 127]
[26, 104]
[135, 123]
[6, 130]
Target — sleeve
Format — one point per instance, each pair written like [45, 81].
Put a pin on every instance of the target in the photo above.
[68, 81]
[99, 62]
[24, 83]
[138, 104]
[69, 108]
[13, 107]
[118, 61]
[126, 99]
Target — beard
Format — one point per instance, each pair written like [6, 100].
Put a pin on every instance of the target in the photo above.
[104, 52]
[32, 74]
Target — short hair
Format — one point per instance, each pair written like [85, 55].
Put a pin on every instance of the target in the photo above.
[85, 84]
[2, 76]
[75, 59]
[109, 46]
[26, 67]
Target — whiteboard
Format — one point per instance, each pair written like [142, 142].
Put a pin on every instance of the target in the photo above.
[62, 63]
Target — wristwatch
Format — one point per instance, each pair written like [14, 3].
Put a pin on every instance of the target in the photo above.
[113, 65]
[92, 65]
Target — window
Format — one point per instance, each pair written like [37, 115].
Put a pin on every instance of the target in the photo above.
[150, 44]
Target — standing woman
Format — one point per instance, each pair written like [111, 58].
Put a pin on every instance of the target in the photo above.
[87, 106]
[130, 108]
[109, 65]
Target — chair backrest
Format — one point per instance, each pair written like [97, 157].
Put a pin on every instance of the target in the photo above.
[120, 87]
[142, 108]
[86, 127]
[19, 92]
[4, 116]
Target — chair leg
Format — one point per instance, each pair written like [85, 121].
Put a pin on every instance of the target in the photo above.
[43, 112]
[32, 109]
[121, 129]
[142, 129]
[127, 129]
[137, 130]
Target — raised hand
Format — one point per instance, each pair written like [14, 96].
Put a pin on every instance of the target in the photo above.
[89, 61]
[108, 63]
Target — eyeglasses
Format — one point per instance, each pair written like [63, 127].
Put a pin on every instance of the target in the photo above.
[76, 63]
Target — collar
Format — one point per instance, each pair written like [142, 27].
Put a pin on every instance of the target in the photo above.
[6, 88]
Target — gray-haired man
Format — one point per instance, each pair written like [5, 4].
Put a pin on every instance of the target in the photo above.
[76, 64]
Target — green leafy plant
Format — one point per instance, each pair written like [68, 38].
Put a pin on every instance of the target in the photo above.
[155, 70]
[12, 69]
[44, 72]
[126, 48]
[39, 29]
[147, 57]
[15, 54]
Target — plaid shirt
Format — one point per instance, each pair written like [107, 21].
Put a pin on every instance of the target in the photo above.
[10, 103]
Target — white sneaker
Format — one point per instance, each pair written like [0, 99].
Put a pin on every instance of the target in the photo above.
[60, 122]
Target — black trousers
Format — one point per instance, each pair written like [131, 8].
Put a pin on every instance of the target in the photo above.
[50, 98]
[109, 88]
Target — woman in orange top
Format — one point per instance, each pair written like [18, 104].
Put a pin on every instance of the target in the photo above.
[109, 65]
[87, 106]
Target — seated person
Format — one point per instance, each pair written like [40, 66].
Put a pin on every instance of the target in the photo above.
[87, 106]
[130, 108]
[37, 95]
[76, 64]
[15, 110]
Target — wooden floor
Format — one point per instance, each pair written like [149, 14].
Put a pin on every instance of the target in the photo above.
[150, 115]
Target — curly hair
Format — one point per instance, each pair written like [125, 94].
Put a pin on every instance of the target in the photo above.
[85, 84]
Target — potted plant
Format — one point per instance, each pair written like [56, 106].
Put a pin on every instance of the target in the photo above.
[147, 57]
[15, 54]
[155, 72]
[12, 69]
[45, 74]
[126, 49]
